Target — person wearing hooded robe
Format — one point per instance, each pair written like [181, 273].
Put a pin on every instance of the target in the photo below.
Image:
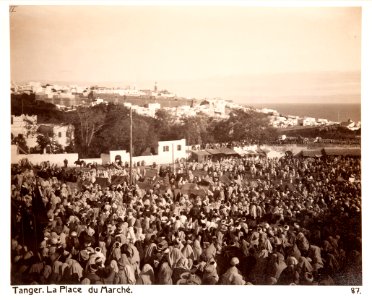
[188, 251]
[45, 276]
[304, 266]
[210, 275]
[260, 266]
[293, 251]
[245, 246]
[253, 211]
[102, 246]
[126, 273]
[264, 243]
[219, 241]
[290, 274]
[197, 249]
[122, 233]
[259, 211]
[56, 268]
[72, 243]
[314, 253]
[210, 251]
[232, 275]
[97, 256]
[73, 271]
[115, 252]
[164, 274]
[302, 242]
[91, 274]
[150, 249]
[131, 235]
[181, 267]
[109, 273]
[181, 235]
[146, 276]
[254, 238]
[275, 266]
[174, 256]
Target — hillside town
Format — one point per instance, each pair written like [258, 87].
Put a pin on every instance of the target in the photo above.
[69, 97]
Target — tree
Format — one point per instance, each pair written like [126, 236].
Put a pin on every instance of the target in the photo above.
[56, 147]
[91, 96]
[70, 148]
[244, 125]
[21, 142]
[27, 104]
[195, 129]
[164, 124]
[89, 122]
[115, 133]
[43, 141]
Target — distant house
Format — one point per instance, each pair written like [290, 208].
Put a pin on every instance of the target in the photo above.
[221, 152]
[172, 149]
[21, 124]
[351, 125]
[307, 121]
[25, 126]
[200, 155]
[347, 123]
[62, 134]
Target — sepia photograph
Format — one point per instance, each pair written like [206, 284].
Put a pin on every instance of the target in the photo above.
[184, 145]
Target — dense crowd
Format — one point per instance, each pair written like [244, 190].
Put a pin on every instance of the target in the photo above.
[236, 221]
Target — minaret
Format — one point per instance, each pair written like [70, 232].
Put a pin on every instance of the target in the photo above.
[156, 87]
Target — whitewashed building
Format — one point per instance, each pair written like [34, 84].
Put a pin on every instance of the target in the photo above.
[62, 134]
[167, 153]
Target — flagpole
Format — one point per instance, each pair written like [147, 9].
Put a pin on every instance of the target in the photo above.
[130, 145]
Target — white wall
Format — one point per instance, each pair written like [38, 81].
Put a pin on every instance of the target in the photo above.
[149, 159]
[37, 159]
[125, 157]
[105, 157]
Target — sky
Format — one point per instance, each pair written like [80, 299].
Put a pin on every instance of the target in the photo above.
[240, 53]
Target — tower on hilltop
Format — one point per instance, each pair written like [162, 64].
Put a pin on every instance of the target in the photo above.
[156, 87]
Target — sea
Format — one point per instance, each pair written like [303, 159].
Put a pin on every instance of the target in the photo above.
[337, 112]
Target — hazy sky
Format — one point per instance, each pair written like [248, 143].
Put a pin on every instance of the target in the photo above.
[232, 52]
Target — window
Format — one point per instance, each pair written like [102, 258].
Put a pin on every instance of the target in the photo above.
[165, 148]
[59, 134]
[179, 147]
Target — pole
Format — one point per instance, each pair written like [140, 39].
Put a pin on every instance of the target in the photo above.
[186, 151]
[174, 168]
[130, 145]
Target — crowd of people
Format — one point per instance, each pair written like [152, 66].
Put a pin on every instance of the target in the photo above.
[235, 221]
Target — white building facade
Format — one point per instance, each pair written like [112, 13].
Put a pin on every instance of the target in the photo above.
[168, 153]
